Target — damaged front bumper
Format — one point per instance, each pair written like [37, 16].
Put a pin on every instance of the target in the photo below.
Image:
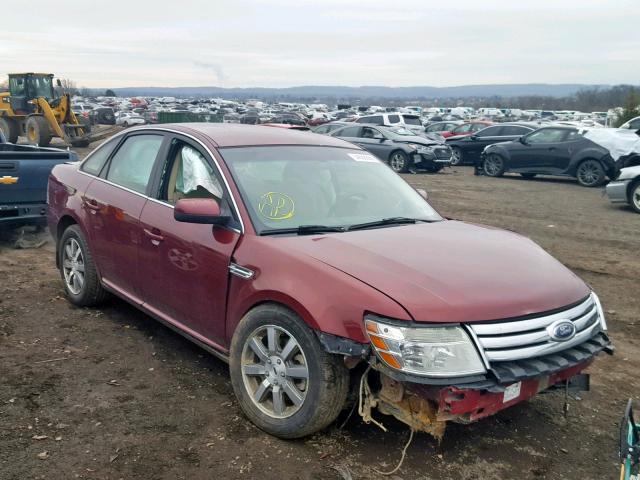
[426, 404]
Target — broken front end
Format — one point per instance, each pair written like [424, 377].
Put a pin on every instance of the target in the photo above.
[428, 374]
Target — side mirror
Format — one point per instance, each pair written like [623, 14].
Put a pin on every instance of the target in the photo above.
[58, 82]
[522, 140]
[473, 137]
[199, 210]
[423, 193]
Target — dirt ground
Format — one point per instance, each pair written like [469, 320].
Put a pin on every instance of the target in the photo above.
[111, 394]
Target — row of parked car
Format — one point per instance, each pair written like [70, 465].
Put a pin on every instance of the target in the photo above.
[526, 148]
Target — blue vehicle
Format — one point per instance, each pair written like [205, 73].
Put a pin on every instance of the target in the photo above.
[24, 172]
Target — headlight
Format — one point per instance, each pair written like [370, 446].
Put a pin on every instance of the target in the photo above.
[424, 150]
[429, 351]
[603, 321]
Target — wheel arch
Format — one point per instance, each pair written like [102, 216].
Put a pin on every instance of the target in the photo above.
[64, 222]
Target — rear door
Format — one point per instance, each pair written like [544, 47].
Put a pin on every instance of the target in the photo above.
[478, 141]
[184, 267]
[115, 201]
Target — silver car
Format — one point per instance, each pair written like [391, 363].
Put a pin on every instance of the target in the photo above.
[626, 188]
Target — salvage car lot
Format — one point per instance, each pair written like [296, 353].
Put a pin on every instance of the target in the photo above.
[128, 398]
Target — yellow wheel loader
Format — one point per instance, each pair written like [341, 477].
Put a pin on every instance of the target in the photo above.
[31, 109]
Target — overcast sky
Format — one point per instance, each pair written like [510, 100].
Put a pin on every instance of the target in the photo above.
[279, 43]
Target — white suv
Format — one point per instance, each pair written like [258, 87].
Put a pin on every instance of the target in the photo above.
[408, 121]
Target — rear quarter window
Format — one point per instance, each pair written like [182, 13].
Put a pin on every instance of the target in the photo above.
[97, 159]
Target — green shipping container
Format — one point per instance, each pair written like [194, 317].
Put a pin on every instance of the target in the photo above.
[187, 117]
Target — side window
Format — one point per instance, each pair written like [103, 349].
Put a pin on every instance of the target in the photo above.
[132, 164]
[547, 135]
[572, 136]
[368, 132]
[98, 158]
[514, 130]
[322, 129]
[463, 128]
[394, 118]
[489, 132]
[365, 120]
[348, 132]
[377, 120]
[435, 128]
[189, 175]
[635, 124]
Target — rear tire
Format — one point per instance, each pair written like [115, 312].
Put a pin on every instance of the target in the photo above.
[10, 129]
[457, 157]
[399, 161]
[38, 131]
[590, 173]
[78, 271]
[634, 196]
[267, 383]
[493, 165]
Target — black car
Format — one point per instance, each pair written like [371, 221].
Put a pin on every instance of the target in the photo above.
[102, 116]
[554, 150]
[397, 146]
[467, 149]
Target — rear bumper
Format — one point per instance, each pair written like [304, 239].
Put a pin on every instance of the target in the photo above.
[617, 191]
[21, 214]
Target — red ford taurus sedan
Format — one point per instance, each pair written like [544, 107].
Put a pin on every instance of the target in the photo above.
[313, 269]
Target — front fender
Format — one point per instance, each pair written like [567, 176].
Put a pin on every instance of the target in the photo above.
[327, 299]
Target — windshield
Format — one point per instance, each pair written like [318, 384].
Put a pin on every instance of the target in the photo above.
[41, 86]
[285, 187]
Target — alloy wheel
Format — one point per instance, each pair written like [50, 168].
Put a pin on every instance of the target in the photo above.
[456, 156]
[73, 266]
[275, 371]
[397, 162]
[635, 197]
[493, 165]
[589, 173]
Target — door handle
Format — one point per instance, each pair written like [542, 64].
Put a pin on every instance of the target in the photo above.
[155, 238]
[92, 204]
[552, 148]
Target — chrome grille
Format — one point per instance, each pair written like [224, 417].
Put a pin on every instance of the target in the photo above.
[520, 339]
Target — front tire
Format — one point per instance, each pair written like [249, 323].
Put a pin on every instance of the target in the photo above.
[285, 382]
[590, 173]
[634, 196]
[399, 161]
[78, 271]
[38, 131]
[493, 165]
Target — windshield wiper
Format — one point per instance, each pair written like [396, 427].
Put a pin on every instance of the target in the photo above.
[303, 230]
[387, 221]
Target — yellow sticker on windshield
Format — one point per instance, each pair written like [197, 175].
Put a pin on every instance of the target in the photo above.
[276, 206]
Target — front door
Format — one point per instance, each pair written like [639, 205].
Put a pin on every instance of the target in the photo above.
[184, 267]
[115, 203]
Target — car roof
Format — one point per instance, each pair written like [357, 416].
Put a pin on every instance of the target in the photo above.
[238, 135]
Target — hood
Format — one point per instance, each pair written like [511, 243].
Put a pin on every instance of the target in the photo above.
[418, 140]
[449, 271]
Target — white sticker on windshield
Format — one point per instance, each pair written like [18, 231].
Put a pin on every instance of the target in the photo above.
[363, 157]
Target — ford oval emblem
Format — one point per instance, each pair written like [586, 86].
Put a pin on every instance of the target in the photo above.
[562, 330]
